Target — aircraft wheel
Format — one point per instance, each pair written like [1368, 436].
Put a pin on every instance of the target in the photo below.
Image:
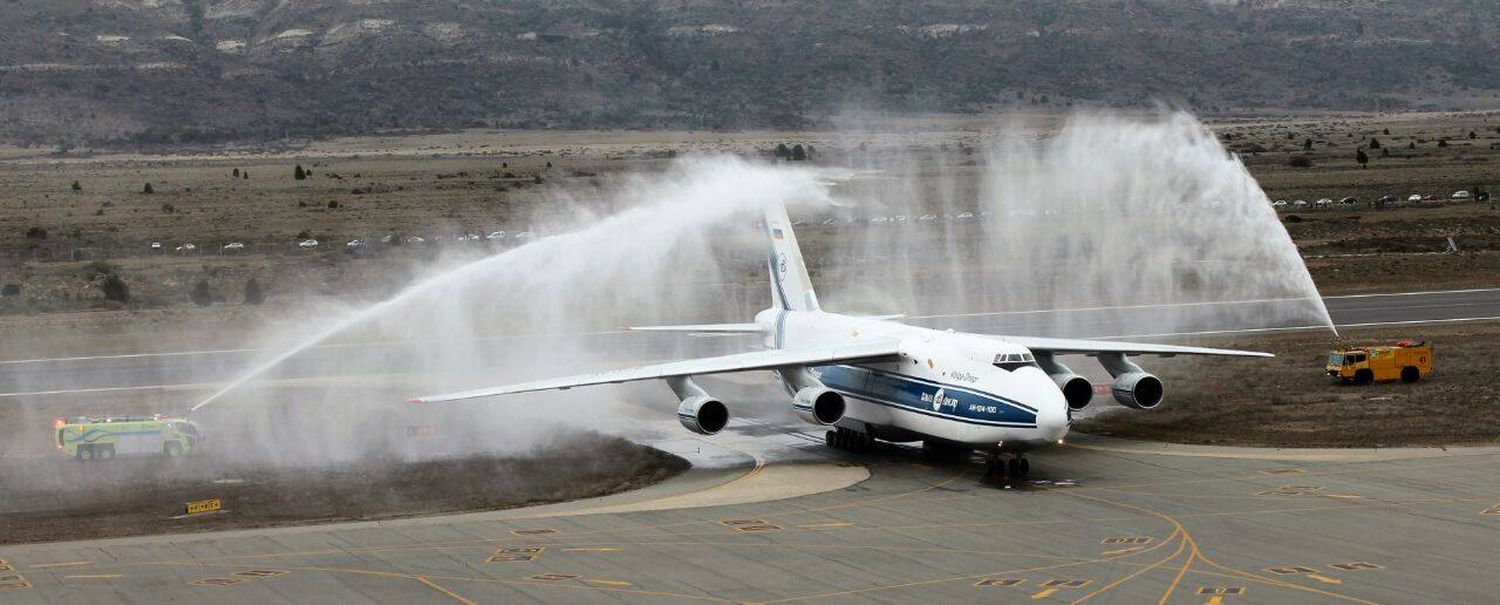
[994, 466]
[1025, 468]
[1013, 468]
[172, 449]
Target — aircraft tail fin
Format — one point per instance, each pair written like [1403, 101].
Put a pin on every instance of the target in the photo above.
[791, 288]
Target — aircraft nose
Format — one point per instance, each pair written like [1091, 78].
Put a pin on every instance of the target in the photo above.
[1051, 410]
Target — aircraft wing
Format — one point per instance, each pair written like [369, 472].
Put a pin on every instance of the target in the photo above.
[745, 328]
[868, 350]
[1095, 347]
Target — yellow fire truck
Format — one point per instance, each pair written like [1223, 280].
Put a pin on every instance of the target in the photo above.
[1407, 361]
[105, 438]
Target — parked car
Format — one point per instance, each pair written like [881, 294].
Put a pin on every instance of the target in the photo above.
[186, 248]
[1415, 197]
[495, 235]
[355, 244]
[1482, 196]
[1349, 201]
[308, 243]
[927, 218]
[412, 239]
[1323, 202]
[1386, 199]
[964, 216]
[155, 245]
[1299, 203]
[830, 221]
[1279, 203]
[1461, 195]
[234, 246]
[879, 220]
[525, 235]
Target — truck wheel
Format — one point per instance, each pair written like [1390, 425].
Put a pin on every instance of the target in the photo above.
[105, 453]
[1409, 374]
[86, 453]
[1364, 377]
[172, 449]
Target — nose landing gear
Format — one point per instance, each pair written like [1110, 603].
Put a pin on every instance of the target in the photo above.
[1014, 466]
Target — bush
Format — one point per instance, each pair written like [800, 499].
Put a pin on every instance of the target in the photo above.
[202, 295]
[1374, 143]
[799, 154]
[77, 186]
[36, 233]
[147, 189]
[115, 289]
[168, 208]
[299, 174]
[236, 173]
[10, 290]
[1299, 161]
[1442, 142]
[333, 204]
[253, 293]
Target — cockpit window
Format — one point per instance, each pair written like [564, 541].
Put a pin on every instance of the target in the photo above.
[1010, 361]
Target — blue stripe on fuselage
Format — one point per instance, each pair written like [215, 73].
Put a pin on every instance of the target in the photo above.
[921, 396]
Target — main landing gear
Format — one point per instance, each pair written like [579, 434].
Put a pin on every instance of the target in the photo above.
[1014, 466]
[847, 439]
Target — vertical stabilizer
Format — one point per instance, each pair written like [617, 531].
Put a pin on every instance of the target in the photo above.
[791, 288]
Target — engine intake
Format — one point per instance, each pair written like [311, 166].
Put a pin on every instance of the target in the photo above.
[1137, 390]
[1076, 389]
[703, 415]
[818, 405]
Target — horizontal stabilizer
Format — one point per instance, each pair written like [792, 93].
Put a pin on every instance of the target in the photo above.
[746, 328]
[1095, 347]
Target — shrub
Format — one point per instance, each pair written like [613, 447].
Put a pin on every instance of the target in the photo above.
[10, 290]
[202, 295]
[299, 174]
[236, 173]
[253, 293]
[115, 289]
[1359, 156]
[799, 154]
[1442, 142]
[77, 186]
[333, 204]
[1374, 143]
[36, 233]
[1299, 161]
[1307, 145]
[168, 208]
[147, 189]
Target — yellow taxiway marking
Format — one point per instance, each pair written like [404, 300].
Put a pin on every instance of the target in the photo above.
[95, 576]
[1324, 579]
[1121, 551]
[450, 594]
[590, 549]
[823, 525]
[68, 564]
[618, 583]
[1215, 600]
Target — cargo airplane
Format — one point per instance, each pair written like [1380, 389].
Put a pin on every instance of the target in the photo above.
[870, 378]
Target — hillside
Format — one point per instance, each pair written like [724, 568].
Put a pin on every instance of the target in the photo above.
[101, 72]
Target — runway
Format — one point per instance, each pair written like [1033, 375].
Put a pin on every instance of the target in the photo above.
[135, 370]
[1100, 521]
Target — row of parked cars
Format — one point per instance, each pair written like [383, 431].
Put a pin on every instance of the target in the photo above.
[310, 243]
[1385, 200]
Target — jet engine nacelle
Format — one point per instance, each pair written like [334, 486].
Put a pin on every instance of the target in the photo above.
[703, 415]
[818, 405]
[1076, 389]
[1137, 390]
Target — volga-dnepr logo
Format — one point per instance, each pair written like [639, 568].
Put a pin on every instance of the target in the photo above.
[939, 399]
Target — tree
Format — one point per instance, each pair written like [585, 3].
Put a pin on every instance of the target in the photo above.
[1411, 145]
[1442, 142]
[299, 174]
[1374, 143]
[253, 293]
[202, 295]
[236, 173]
[245, 175]
[1307, 145]
[799, 154]
[1385, 152]
[115, 289]
[1473, 135]
[782, 151]
[1359, 156]
[1387, 132]
[147, 189]
[77, 186]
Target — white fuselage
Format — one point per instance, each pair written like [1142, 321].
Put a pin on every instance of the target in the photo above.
[943, 385]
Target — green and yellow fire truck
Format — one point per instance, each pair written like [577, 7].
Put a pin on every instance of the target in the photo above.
[105, 438]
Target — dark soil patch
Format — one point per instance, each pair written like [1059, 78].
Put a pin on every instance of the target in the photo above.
[62, 499]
